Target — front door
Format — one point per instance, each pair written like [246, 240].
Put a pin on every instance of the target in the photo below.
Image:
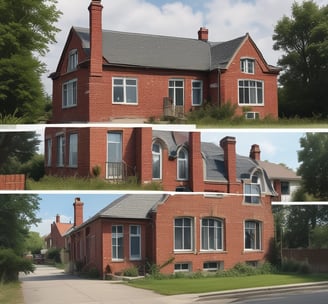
[114, 156]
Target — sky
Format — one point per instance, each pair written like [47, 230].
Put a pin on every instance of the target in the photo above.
[225, 20]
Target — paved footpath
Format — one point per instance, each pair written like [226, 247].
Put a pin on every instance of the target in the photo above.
[48, 285]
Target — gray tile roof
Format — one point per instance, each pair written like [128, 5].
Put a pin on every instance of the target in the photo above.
[155, 51]
[130, 206]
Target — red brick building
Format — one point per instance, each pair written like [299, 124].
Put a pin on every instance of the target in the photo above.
[103, 75]
[178, 161]
[56, 237]
[186, 232]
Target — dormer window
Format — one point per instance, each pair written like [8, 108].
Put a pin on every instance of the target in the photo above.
[247, 65]
[252, 190]
[72, 60]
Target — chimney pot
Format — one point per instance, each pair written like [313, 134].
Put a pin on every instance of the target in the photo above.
[203, 34]
[57, 218]
[255, 152]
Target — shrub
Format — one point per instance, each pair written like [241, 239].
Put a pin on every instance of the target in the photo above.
[131, 272]
[290, 265]
[54, 254]
[96, 170]
[34, 168]
[11, 264]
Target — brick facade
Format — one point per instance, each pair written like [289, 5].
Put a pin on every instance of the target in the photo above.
[91, 243]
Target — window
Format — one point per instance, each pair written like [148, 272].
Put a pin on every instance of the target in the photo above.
[197, 92]
[252, 190]
[157, 160]
[212, 234]
[70, 93]
[212, 266]
[60, 152]
[182, 267]
[247, 65]
[250, 92]
[117, 242]
[182, 164]
[114, 155]
[183, 234]
[285, 189]
[252, 235]
[176, 89]
[72, 60]
[73, 146]
[48, 152]
[125, 90]
[135, 242]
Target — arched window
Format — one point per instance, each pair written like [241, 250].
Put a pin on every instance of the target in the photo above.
[252, 189]
[157, 160]
[182, 164]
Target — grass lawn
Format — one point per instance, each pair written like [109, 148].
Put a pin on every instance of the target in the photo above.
[11, 293]
[212, 284]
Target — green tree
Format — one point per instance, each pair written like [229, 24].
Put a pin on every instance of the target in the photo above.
[26, 30]
[17, 214]
[303, 38]
[33, 242]
[314, 165]
[16, 148]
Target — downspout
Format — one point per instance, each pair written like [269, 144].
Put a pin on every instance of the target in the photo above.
[219, 87]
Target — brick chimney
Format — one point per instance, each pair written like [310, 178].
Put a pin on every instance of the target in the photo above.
[203, 34]
[78, 212]
[255, 152]
[228, 144]
[57, 218]
[95, 25]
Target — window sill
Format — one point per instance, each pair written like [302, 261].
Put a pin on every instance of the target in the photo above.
[69, 107]
[125, 104]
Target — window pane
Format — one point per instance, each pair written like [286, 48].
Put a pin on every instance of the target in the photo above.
[131, 95]
[118, 94]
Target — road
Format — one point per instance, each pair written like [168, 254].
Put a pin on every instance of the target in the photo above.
[52, 286]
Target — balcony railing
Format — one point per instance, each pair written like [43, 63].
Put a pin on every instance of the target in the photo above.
[172, 110]
[116, 171]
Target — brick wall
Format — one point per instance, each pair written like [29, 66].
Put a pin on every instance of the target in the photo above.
[12, 182]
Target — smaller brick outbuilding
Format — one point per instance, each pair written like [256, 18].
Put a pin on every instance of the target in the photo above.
[56, 237]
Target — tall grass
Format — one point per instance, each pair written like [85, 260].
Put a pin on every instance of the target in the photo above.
[79, 183]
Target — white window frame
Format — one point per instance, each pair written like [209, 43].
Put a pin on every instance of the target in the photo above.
[157, 155]
[247, 65]
[184, 162]
[116, 247]
[173, 87]
[194, 92]
[217, 229]
[60, 150]
[182, 267]
[114, 155]
[249, 92]
[218, 266]
[135, 236]
[184, 234]
[252, 190]
[256, 232]
[73, 150]
[69, 92]
[125, 86]
[73, 60]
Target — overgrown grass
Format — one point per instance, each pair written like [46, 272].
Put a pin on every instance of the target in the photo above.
[216, 284]
[78, 183]
[11, 293]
